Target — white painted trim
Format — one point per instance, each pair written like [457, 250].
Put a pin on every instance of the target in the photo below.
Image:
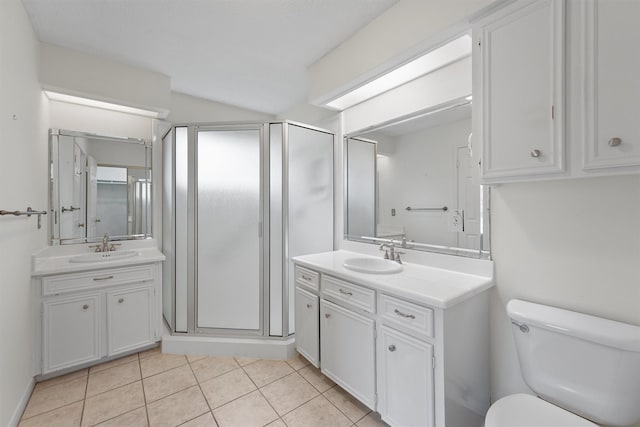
[229, 347]
[22, 404]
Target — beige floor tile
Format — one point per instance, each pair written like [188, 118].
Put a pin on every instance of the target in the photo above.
[205, 420]
[160, 362]
[62, 378]
[317, 413]
[211, 367]
[111, 378]
[372, 420]
[315, 377]
[67, 416]
[288, 393]
[227, 387]
[264, 372]
[277, 423]
[244, 361]
[298, 362]
[112, 363]
[178, 408]
[112, 403]
[168, 382]
[48, 398]
[349, 405]
[135, 418]
[151, 352]
[193, 357]
[251, 410]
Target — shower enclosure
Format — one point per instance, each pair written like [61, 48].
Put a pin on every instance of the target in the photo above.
[239, 201]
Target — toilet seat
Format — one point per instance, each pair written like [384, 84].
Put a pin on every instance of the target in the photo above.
[525, 410]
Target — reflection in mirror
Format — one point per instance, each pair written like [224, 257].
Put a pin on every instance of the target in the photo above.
[99, 185]
[413, 182]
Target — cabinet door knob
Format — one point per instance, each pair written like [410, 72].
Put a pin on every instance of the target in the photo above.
[85, 307]
[121, 300]
[392, 347]
[81, 225]
[309, 305]
[536, 153]
[614, 142]
[327, 315]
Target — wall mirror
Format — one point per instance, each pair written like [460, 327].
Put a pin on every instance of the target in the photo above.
[413, 182]
[98, 185]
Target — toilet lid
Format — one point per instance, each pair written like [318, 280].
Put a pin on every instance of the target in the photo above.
[525, 410]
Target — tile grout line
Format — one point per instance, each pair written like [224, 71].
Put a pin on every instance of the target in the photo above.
[144, 395]
[261, 394]
[201, 392]
[84, 400]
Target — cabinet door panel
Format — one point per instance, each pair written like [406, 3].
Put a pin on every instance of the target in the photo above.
[130, 319]
[347, 353]
[307, 321]
[522, 92]
[405, 381]
[71, 331]
[613, 86]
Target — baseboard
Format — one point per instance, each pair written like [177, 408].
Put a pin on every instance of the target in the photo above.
[229, 347]
[22, 404]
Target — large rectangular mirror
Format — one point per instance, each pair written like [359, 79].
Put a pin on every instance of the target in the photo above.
[413, 182]
[98, 185]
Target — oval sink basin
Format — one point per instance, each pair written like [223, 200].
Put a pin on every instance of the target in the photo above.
[373, 265]
[103, 256]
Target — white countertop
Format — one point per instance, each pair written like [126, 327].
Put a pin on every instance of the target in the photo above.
[46, 265]
[432, 286]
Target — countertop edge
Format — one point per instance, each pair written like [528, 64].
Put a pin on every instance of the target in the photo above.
[149, 256]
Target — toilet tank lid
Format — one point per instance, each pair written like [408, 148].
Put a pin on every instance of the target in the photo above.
[591, 328]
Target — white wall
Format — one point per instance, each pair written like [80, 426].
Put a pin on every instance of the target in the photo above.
[570, 243]
[23, 178]
[189, 109]
[420, 171]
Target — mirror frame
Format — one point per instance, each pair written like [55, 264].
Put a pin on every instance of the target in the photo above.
[54, 192]
[485, 204]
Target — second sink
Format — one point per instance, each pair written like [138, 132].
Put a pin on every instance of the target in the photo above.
[372, 265]
[103, 256]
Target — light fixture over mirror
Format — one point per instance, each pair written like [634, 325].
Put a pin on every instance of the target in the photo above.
[98, 185]
[413, 182]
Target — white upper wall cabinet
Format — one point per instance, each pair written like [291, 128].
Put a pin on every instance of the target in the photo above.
[612, 86]
[519, 95]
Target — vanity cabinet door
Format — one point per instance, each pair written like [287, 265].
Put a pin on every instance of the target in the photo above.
[130, 320]
[612, 84]
[348, 350]
[71, 331]
[519, 71]
[307, 326]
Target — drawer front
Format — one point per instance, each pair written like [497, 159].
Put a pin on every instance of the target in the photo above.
[307, 278]
[406, 316]
[354, 295]
[54, 285]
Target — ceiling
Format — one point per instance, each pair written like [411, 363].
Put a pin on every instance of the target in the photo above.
[248, 53]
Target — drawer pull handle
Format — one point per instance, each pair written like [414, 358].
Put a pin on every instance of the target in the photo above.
[614, 142]
[121, 300]
[399, 313]
[327, 315]
[307, 278]
[85, 307]
[347, 293]
[97, 279]
[392, 347]
[309, 305]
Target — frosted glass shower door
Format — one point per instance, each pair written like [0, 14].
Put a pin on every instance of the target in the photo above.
[228, 229]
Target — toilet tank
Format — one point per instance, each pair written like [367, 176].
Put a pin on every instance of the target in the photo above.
[585, 364]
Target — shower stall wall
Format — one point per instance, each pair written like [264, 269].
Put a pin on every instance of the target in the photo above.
[240, 200]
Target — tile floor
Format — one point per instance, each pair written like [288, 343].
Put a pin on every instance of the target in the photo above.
[155, 389]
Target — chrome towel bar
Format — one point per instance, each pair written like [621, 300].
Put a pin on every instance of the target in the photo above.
[28, 213]
[444, 209]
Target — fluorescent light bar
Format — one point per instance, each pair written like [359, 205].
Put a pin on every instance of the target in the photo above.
[55, 96]
[437, 58]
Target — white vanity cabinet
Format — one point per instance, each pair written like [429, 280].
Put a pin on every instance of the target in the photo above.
[518, 91]
[88, 316]
[307, 307]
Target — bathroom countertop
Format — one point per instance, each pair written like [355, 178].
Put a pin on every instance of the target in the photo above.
[47, 265]
[432, 286]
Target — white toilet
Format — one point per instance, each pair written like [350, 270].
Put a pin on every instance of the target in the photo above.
[584, 369]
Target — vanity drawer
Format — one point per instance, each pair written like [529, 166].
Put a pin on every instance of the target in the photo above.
[307, 278]
[352, 294]
[64, 283]
[406, 316]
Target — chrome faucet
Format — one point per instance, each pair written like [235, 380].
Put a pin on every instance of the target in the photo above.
[106, 245]
[390, 252]
[105, 242]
